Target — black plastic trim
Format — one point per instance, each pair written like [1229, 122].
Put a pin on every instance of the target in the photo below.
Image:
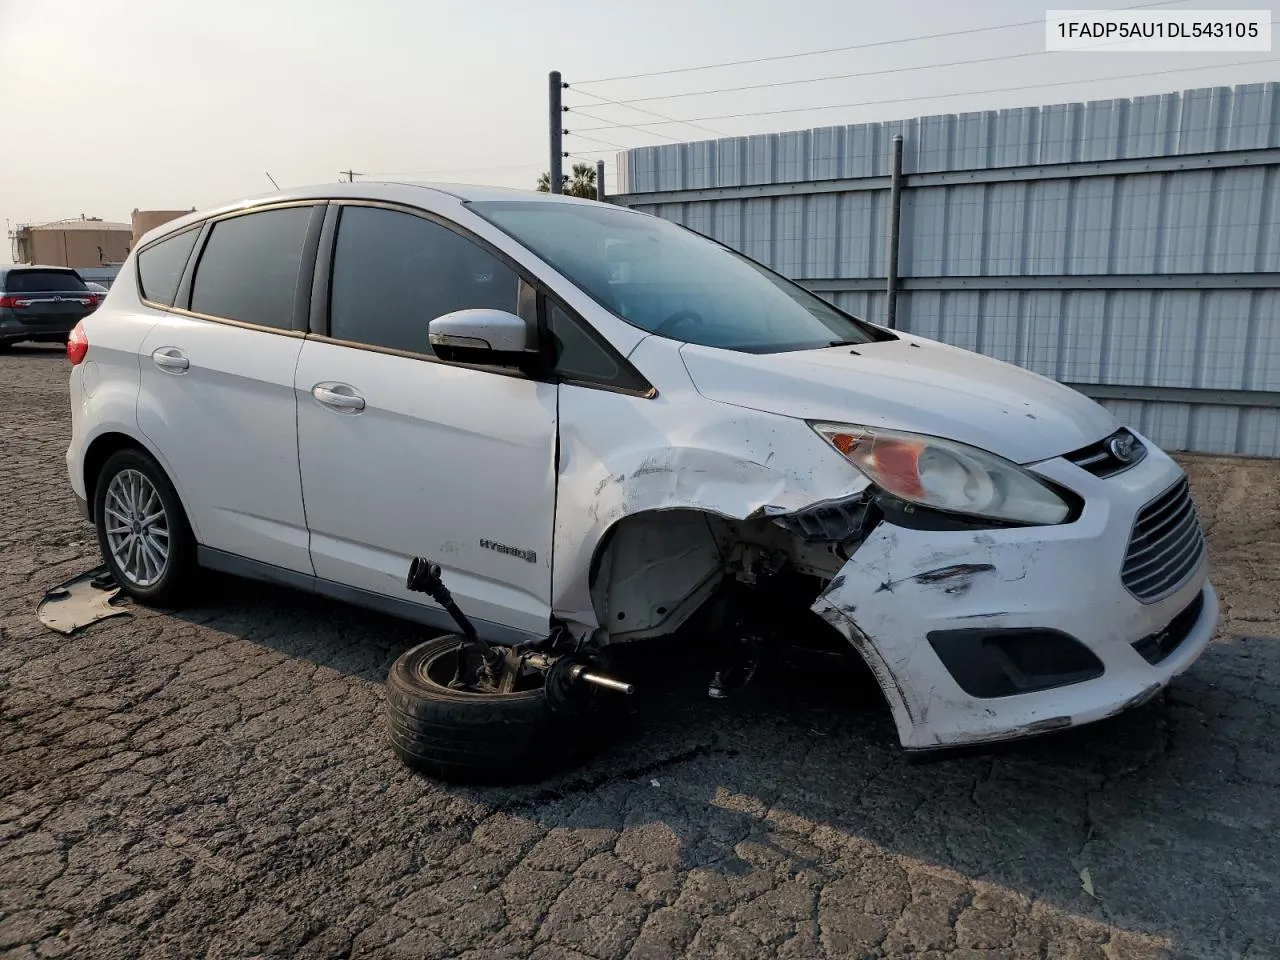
[1157, 647]
[989, 664]
[306, 271]
[182, 299]
[318, 319]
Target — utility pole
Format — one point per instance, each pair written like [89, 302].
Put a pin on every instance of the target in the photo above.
[600, 181]
[350, 175]
[557, 133]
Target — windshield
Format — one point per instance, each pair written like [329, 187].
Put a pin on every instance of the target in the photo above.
[670, 281]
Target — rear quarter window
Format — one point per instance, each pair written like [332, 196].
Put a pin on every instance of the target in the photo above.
[160, 266]
[44, 281]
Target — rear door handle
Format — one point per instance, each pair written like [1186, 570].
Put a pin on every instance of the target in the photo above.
[170, 360]
[338, 396]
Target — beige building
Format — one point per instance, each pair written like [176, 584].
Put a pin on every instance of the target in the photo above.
[87, 242]
[144, 220]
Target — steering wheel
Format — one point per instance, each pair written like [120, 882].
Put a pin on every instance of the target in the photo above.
[677, 318]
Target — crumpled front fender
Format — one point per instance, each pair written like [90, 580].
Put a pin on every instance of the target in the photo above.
[621, 456]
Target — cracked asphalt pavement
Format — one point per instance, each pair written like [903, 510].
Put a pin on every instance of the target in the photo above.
[216, 783]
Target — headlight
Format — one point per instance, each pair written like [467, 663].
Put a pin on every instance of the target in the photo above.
[946, 475]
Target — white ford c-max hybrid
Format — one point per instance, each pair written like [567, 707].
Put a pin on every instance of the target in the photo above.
[597, 423]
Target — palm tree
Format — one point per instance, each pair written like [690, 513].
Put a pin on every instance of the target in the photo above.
[581, 183]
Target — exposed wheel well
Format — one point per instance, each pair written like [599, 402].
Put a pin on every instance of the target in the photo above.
[654, 569]
[651, 570]
[97, 454]
[746, 587]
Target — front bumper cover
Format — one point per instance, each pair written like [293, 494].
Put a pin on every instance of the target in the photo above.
[902, 585]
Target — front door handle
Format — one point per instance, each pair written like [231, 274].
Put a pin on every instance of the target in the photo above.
[170, 360]
[338, 396]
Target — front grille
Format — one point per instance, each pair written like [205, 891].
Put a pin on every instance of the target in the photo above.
[1166, 545]
[1100, 459]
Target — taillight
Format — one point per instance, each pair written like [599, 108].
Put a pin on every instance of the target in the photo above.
[9, 302]
[77, 345]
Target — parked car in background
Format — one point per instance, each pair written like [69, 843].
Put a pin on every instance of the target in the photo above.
[593, 425]
[96, 288]
[42, 304]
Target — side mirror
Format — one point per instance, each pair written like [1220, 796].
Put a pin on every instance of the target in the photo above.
[493, 337]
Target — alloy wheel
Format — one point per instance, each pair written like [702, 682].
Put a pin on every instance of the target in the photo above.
[137, 528]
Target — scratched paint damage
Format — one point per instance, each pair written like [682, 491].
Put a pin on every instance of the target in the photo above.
[903, 585]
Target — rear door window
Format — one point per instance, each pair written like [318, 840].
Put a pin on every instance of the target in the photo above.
[160, 266]
[44, 281]
[250, 266]
[394, 272]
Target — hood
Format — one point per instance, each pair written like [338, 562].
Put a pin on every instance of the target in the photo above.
[909, 384]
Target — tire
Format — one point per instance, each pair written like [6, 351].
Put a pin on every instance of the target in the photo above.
[468, 737]
[165, 584]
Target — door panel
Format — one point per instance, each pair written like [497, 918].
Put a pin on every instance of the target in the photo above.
[217, 398]
[439, 461]
[226, 426]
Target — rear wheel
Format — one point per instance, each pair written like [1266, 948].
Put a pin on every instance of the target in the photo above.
[474, 736]
[142, 529]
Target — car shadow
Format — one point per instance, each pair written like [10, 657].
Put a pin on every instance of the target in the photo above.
[801, 775]
[43, 349]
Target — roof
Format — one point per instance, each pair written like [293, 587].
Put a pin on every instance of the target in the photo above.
[7, 268]
[390, 191]
[94, 225]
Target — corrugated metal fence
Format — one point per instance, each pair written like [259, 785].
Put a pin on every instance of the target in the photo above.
[1130, 248]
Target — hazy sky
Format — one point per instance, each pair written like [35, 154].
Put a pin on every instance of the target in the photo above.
[108, 105]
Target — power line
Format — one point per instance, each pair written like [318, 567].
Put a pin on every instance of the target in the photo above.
[963, 93]
[651, 133]
[837, 76]
[431, 173]
[834, 76]
[607, 143]
[856, 46]
[652, 113]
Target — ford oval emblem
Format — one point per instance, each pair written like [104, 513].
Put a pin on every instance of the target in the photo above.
[1121, 447]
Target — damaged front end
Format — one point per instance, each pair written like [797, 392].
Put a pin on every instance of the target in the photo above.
[974, 631]
[990, 599]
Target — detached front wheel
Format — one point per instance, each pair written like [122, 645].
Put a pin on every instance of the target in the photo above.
[475, 735]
